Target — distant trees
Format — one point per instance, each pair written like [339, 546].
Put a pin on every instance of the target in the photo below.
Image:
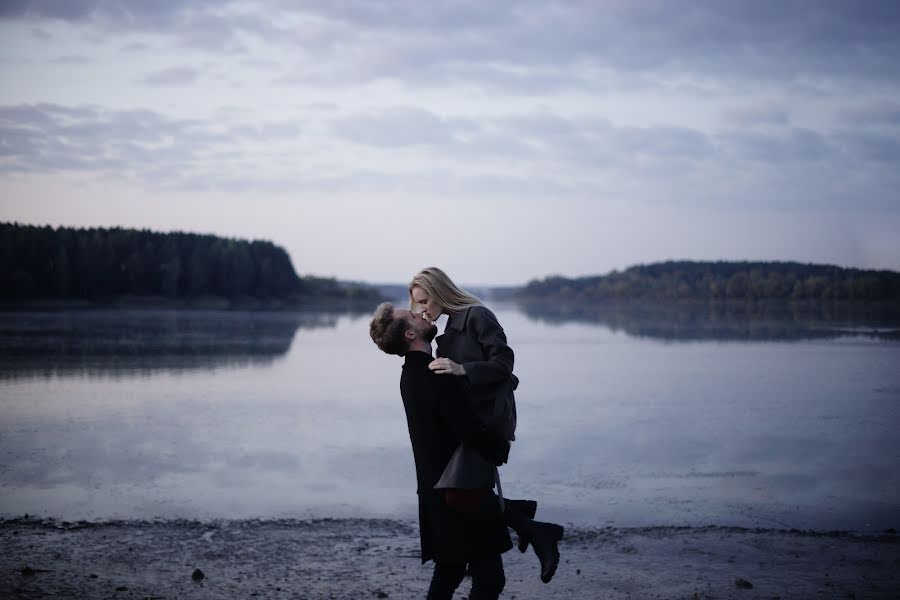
[98, 264]
[722, 281]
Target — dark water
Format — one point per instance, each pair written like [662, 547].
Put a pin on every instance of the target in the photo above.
[628, 416]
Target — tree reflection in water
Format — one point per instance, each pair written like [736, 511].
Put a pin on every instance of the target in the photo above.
[727, 321]
[113, 343]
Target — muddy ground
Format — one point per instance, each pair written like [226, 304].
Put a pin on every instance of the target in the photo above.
[364, 559]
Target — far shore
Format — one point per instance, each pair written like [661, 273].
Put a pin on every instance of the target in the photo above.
[198, 303]
[324, 302]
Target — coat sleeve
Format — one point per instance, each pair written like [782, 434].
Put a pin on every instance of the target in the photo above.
[466, 427]
[498, 364]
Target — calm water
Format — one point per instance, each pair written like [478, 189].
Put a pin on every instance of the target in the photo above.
[625, 417]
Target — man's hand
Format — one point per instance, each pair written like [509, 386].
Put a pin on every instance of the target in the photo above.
[445, 366]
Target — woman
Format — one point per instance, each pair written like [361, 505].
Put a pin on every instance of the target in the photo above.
[473, 347]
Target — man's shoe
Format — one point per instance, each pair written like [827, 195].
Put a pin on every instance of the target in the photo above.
[544, 538]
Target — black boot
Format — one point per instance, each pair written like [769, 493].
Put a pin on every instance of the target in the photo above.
[527, 508]
[544, 538]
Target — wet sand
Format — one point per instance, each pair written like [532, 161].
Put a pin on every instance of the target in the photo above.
[354, 558]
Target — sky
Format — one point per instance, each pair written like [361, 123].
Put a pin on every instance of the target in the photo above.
[501, 141]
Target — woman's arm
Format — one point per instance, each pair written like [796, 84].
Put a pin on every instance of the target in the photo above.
[498, 364]
[484, 328]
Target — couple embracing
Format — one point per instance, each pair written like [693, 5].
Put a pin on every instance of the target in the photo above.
[461, 415]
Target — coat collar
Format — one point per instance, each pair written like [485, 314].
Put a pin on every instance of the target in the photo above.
[458, 321]
[417, 356]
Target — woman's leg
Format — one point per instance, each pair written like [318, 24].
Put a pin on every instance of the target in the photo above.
[544, 537]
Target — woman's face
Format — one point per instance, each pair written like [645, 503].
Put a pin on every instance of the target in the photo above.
[425, 304]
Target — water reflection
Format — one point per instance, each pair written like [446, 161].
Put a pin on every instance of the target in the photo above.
[125, 342]
[727, 321]
[613, 429]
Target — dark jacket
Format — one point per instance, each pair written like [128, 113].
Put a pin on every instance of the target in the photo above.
[438, 421]
[474, 338]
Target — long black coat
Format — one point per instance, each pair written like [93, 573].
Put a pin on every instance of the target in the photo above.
[474, 338]
[438, 421]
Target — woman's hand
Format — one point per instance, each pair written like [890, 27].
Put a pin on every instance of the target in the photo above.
[445, 366]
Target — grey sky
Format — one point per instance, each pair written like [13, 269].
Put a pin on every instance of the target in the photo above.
[501, 141]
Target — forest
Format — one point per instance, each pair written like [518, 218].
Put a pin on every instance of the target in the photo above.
[101, 265]
[691, 280]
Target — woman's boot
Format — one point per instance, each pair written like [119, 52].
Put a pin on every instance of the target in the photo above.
[544, 539]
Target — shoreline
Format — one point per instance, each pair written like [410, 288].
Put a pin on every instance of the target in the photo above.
[379, 558]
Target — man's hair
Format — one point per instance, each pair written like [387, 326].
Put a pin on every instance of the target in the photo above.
[389, 333]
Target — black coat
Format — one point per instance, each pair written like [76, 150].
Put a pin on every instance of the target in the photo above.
[474, 338]
[438, 420]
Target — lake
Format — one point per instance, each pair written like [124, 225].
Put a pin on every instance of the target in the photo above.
[780, 418]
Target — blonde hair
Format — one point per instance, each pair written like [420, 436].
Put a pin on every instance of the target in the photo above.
[441, 288]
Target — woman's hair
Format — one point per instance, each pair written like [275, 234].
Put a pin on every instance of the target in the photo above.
[387, 332]
[441, 288]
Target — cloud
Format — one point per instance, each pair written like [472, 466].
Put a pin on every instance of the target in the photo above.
[534, 142]
[215, 26]
[127, 13]
[40, 34]
[52, 138]
[663, 142]
[526, 47]
[136, 47]
[871, 147]
[795, 145]
[173, 76]
[143, 144]
[411, 150]
[758, 113]
[768, 40]
[72, 59]
[397, 127]
[882, 111]
[74, 10]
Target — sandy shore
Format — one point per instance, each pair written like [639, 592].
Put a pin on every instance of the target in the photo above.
[338, 559]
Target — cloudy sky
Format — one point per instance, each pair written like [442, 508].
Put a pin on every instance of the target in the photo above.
[500, 140]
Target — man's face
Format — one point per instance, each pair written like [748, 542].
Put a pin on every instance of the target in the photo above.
[425, 330]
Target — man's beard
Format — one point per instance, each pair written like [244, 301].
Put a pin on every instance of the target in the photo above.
[430, 333]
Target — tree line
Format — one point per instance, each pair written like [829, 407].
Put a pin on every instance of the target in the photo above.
[102, 264]
[683, 280]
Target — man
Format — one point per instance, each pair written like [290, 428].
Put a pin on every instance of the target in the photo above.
[438, 421]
